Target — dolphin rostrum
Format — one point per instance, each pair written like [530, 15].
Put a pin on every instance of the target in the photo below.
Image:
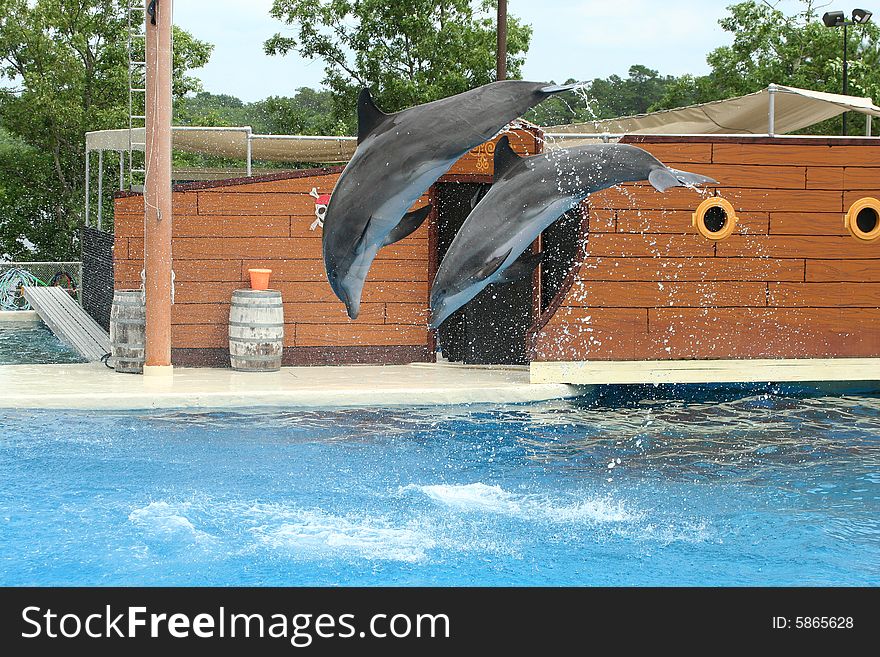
[529, 194]
[398, 157]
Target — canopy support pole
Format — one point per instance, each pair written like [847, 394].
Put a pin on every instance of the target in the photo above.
[771, 110]
[867, 125]
[88, 223]
[100, 187]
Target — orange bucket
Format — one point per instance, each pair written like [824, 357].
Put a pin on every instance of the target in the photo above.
[260, 278]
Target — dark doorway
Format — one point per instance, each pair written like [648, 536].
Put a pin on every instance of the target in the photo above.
[561, 245]
[491, 328]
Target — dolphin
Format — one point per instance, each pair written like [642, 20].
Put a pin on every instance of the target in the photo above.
[529, 194]
[398, 157]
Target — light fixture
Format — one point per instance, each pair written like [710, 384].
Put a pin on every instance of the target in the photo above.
[833, 18]
[861, 16]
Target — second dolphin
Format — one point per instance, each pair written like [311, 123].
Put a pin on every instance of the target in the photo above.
[529, 194]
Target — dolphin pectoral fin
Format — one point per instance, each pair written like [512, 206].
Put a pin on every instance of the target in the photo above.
[490, 267]
[522, 268]
[557, 88]
[663, 179]
[408, 225]
[370, 117]
[689, 178]
[505, 157]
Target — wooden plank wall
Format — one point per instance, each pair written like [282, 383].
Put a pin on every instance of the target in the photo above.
[790, 283]
[221, 230]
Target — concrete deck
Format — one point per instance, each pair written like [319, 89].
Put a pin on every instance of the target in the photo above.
[94, 386]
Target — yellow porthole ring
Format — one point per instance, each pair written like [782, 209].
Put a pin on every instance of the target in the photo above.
[863, 219]
[715, 218]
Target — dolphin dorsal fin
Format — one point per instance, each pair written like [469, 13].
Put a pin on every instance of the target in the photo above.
[505, 157]
[491, 267]
[370, 117]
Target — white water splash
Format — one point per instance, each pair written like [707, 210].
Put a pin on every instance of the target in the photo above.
[161, 520]
[313, 534]
[483, 498]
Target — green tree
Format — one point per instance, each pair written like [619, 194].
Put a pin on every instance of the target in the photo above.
[795, 50]
[66, 64]
[408, 52]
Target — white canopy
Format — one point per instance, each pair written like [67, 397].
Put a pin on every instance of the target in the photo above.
[775, 110]
[233, 142]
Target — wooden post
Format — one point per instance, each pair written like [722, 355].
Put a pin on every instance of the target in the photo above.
[501, 49]
[157, 189]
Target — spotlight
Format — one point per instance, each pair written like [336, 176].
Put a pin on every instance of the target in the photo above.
[861, 16]
[833, 18]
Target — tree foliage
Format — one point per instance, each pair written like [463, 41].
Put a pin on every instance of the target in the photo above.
[66, 64]
[408, 52]
[604, 98]
[795, 50]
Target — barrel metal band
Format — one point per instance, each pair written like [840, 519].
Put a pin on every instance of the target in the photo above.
[232, 338]
[260, 358]
[255, 325]
[262, 305]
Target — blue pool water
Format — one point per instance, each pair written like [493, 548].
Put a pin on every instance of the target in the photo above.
[27, 343]
[725, 490]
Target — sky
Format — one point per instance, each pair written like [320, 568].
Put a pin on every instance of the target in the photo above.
[577, 39]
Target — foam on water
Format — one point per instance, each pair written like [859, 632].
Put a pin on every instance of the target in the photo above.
[316, 535]
[161, 520]
[483, 498]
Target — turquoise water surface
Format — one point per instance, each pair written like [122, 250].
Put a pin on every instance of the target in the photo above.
[28, 343]
[651, 487]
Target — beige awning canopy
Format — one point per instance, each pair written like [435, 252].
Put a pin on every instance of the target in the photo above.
[776, 110]
[233, 143]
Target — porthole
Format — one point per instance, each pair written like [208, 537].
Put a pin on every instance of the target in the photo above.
[863, 219]
[715, 218]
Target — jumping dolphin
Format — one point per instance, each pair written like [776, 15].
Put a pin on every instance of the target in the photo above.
[398, 157]
[529, 194]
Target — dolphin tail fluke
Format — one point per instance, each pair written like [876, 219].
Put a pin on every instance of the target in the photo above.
[557, 88]
[692, 179]
[408, 225]
[662, 178]
[522, 268]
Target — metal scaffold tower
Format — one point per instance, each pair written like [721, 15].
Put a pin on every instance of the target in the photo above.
[137, 94]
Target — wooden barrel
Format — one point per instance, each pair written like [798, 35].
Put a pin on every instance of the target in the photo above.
[127, 333]
[256, 330]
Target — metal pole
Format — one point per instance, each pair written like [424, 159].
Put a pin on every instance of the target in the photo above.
[501, 50]
[157, 190]
[867, 125]
[87, 189]
[771, 110]
[249, 152]
[845, 71]
[121, 170]
[100, 187]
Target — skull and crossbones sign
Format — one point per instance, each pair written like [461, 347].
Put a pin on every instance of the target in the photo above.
[321, 201]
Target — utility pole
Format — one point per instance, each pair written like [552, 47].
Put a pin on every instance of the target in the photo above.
[501, 50]
[157, 187]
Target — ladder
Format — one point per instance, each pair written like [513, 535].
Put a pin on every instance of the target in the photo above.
[68, 321]
[137, 95]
